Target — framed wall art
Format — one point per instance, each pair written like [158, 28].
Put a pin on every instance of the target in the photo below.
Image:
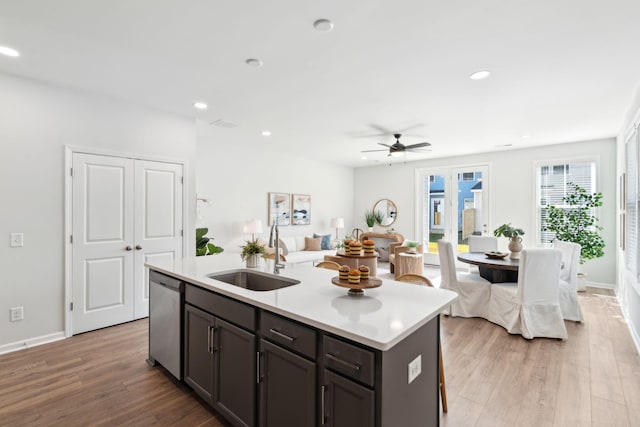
[279, 208]
[301, 209]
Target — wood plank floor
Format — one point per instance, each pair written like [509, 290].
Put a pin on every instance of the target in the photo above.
[493, 379]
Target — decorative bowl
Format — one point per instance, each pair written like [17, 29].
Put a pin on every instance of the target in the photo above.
[496, 255]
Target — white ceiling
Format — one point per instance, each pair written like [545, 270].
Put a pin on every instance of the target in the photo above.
[562, 70]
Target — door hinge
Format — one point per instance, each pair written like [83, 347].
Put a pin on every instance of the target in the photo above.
[182, 233]
[71, 306]
[182, 180]
[71, 171]
[71, 238]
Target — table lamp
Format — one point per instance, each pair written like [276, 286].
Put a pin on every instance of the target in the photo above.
[252, 226]
[337, 223]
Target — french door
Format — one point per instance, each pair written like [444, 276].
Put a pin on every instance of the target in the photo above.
[453, 205]
[124, 212]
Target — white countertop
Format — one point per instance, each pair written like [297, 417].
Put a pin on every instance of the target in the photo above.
[380, 318]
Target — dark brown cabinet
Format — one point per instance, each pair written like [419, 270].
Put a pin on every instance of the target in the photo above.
[287, 387]
[346, 403]
[220, 359]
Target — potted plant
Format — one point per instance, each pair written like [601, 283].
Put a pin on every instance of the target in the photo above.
[513, 234]
[412, 245]
[203, 247]
[578, 224]
[370, 219]
[252, 251]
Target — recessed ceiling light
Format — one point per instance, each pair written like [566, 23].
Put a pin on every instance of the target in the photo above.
[323, 25]
[479, 75]
[8, 51]
[253, 63]
[525, 136]
[266, 133]
[363, 158]
[200, 105]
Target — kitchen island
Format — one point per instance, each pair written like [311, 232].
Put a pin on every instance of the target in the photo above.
[308, 354]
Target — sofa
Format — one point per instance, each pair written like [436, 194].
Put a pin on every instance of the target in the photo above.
[301, 249]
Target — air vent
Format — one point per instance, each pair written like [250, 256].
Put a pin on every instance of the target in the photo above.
[223, 124]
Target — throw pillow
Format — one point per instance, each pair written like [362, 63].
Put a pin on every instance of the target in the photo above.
[313, 243]
[383, 254]
[326, 241]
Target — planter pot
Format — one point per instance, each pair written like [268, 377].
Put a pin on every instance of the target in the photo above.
[582, 282]
[370, 229]
[253, 261]
[515, 246]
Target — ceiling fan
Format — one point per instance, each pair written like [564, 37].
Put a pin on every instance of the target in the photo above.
[398, 149]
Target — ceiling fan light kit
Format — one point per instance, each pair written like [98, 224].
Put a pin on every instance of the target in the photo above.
[398, 149]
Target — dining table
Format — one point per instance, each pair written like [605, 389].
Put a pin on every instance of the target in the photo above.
[495, 270]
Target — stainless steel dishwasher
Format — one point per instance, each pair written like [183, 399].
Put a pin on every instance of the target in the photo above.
[166, 297]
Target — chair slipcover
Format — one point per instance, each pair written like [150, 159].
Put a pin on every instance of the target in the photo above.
[531, 307]
[473, 291]
[569, 280]
[481, 244]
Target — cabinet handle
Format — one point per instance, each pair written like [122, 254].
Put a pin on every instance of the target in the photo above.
[257, 367]
[128, 248]
[281, 335]
[322, 416]
[215, 331]
[138, 247]
[343, 362]
[209, 339]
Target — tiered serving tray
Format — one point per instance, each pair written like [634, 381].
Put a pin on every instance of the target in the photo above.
[357, 289]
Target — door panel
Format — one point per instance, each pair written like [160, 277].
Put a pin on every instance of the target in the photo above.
[102, 272]
[158, 225]
[454, 206]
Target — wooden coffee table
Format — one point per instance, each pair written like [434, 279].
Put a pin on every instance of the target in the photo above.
[355, 261]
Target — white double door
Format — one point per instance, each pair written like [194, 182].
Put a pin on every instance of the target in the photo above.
[124, 212]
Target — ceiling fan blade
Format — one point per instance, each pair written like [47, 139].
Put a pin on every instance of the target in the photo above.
[417, 125]
[371, 151]
[419, 145]
[382, 129]
[384, 145]
[419, 150]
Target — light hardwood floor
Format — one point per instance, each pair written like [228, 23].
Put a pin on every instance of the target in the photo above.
[493, 379]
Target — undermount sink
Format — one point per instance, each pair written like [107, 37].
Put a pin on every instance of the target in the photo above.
[253, 280]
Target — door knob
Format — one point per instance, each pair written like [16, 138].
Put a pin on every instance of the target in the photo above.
[128, 248]
[138, 247]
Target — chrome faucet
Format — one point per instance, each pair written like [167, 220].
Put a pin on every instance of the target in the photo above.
[274, 241]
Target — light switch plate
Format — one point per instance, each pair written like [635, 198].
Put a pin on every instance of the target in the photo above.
[415, 368]
[17, 240]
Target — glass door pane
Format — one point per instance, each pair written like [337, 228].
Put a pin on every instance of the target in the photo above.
[471, 214]
[434, 218]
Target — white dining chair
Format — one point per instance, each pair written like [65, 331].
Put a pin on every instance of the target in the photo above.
[569, 280]
[531, 307]
[481, 244]
[473, 291]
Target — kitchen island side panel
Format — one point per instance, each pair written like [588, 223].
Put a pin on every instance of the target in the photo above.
[416, 403]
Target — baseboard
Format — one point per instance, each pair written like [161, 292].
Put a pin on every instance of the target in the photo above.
[634, 334]
[31, 342]
[601, 285]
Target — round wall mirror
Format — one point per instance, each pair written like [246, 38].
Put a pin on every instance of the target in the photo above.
[387, 210]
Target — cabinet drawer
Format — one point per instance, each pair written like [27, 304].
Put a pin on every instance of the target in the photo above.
[233, 311]
[351, 361]
[288, 334]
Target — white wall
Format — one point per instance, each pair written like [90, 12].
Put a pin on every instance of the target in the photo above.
[512, 189]
[36, 122]
[238, 177]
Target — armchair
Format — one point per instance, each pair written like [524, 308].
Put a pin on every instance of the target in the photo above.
[396, 248]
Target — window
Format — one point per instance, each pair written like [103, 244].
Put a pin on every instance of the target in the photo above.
[466, 176]
[552, 187]
[632, 204]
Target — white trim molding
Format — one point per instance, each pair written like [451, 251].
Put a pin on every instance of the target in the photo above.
[31, 342]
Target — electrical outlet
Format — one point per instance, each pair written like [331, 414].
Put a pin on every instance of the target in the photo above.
[16, 313]
[415, 368]
[17, 240]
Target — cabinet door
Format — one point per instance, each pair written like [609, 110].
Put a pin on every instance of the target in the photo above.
[198, 348]
[235, 373]
[287, 388]
[346, 403]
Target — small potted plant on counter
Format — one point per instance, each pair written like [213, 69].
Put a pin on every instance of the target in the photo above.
[252, 251]
[515, 241]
